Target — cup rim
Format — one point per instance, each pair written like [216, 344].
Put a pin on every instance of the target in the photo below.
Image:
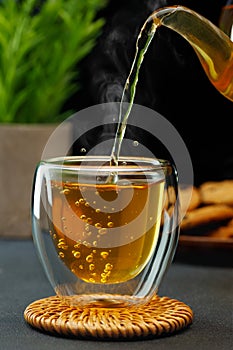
[95, 162]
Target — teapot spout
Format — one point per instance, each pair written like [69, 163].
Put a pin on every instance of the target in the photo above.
[212, 46]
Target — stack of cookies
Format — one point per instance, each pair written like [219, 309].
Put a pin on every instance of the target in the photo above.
[210, 211]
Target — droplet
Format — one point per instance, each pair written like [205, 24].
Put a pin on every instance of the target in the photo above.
[83, 217]
[81, 267]
[62, 255]
[135, 143]
[110, 224]
[98, 225]
[83, 150]
[65, 191]
[91, 267]
[104, 255]
[97, 210]
[76, 254]
[102, 231]
[89, 258]
[77, 245]
[89, 220]
[62, 244]
[108, 267]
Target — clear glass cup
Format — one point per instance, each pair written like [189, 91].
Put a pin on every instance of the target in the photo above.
[105, 235]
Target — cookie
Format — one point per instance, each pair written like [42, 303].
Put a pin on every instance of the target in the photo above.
[207, 215]
[190, 198]
[230, 223]
[217, 192]
[222, 232]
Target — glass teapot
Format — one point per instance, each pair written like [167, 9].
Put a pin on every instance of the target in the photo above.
[211, 44]
[226, 19]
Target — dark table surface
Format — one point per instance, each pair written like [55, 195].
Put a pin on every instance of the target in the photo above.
[206, 288]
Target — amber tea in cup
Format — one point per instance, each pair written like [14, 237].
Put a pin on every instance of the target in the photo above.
[105, 234]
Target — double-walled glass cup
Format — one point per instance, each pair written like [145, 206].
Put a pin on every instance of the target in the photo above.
[105, 234]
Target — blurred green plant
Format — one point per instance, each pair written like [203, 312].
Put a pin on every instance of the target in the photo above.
[41, 44]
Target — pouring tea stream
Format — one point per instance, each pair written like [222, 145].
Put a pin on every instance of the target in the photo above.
[212, 46]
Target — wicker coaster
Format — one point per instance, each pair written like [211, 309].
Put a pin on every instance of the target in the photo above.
[161, 316]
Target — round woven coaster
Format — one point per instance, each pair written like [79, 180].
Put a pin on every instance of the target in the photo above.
[159, 317]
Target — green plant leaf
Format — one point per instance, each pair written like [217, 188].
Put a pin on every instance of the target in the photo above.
[41, 46]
